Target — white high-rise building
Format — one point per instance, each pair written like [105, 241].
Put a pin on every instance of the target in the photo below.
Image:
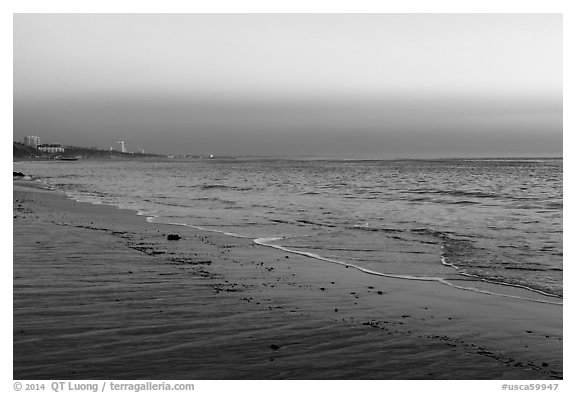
[121, 147]
[33, 141]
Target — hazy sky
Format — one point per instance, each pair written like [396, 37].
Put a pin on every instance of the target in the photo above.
[348, 85]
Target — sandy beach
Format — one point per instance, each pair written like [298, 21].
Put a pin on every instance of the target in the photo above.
[100, 292]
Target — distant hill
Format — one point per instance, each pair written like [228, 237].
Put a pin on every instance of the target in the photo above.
[21, 151]
[85, 152]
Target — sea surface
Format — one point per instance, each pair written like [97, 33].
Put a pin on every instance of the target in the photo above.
[488, 225]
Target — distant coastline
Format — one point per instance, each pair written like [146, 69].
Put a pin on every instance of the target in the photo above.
[21, 152]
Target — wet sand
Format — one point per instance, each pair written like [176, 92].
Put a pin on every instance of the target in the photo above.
[99, 293]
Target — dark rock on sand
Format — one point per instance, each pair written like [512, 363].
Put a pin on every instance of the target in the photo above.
[173, 237]
[17, 174]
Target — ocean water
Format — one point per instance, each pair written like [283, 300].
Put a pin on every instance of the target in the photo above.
[490, 225]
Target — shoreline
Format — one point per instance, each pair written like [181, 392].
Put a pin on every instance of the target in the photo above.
[479, 283]
[297, 310]
[263, 242]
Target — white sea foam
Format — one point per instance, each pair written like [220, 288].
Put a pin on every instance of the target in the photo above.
[267, 243]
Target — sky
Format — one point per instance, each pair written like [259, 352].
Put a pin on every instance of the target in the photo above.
[323, 85]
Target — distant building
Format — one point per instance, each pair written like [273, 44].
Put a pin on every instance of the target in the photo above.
[52, 148]
[33, 141]
[121, 147]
